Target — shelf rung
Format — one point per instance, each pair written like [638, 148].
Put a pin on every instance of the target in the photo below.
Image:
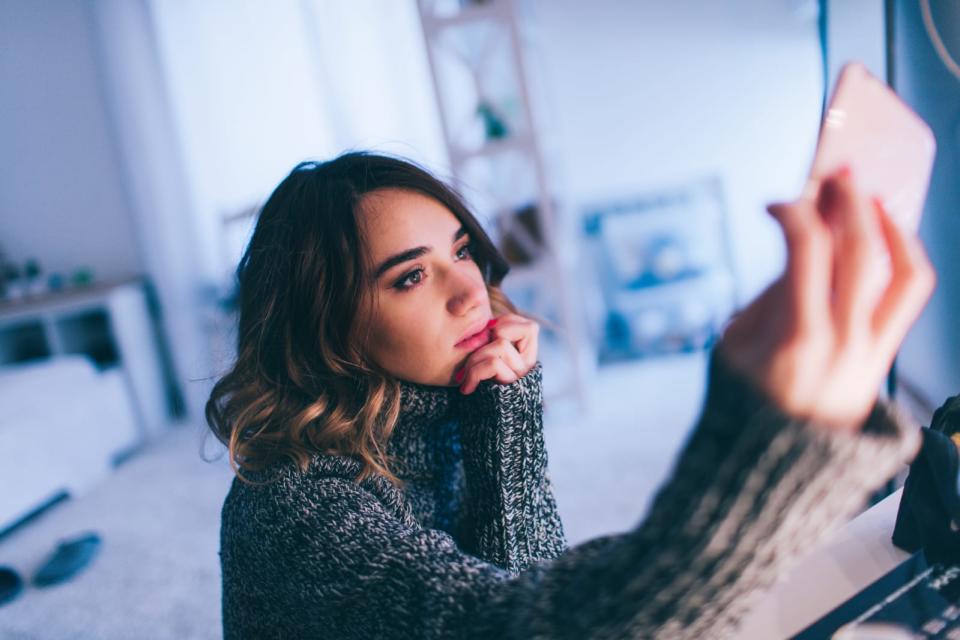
[493, 10]
[513, 143]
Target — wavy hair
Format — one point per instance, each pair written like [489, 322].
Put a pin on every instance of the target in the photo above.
[301, 383]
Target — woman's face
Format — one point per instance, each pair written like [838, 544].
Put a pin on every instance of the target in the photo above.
[429, 306]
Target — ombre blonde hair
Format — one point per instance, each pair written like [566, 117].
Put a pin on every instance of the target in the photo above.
[301, 384]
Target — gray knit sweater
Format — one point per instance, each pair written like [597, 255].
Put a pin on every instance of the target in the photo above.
[473, 547]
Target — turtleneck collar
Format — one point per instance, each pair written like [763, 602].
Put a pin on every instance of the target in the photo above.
[422, 434]
[424, 402]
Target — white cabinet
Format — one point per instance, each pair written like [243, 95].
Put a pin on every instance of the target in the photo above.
[82, 386]
[113, 325]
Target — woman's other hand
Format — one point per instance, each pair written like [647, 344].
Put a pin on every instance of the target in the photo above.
[510, 354]
[820, 340]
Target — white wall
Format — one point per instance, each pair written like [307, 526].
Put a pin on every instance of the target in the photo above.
[645, 94]
[62, 198]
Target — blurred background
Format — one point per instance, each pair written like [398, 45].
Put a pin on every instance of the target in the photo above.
[621, 154]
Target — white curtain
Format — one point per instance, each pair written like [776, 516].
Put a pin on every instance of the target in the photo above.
[257, 86]
[216, 100]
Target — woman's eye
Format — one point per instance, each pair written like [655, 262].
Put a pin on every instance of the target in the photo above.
[410, 280]
[464, 252]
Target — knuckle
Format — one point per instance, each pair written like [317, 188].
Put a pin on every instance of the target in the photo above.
[923, 277]
[927, 271]
[912, 274]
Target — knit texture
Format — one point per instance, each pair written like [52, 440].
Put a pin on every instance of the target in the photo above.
[473, 546]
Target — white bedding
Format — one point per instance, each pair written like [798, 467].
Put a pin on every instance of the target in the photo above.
[61, 423]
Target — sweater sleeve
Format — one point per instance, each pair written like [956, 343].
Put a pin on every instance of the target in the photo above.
[751, 489]
[512, 514]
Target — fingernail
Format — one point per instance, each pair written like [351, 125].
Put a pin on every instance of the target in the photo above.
[491, 323]
[845, 171]
[458, 376]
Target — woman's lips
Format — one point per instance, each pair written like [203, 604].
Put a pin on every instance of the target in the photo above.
[475, 341]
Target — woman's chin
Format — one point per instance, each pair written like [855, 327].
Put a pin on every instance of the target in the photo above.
[441, 380]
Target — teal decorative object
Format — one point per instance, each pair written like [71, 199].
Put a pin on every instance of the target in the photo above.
[81, 277]
[494, 127]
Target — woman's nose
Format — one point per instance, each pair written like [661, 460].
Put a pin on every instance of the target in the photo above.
[465, 294]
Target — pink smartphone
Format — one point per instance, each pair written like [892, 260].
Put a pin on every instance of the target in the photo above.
[888, 147]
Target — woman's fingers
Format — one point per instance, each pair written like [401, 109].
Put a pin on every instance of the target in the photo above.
[820, 339]
[477, 369]
[500, 347]
[522, 333]
[743, 337]
[509, 356]
[492, 366]
[857, 254]
[809, 265]
[911, 282]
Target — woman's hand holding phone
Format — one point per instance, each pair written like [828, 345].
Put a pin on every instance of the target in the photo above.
[820, 340]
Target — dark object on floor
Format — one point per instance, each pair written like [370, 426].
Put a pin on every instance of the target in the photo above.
[11, 584]
[70, 557]
[929, 515]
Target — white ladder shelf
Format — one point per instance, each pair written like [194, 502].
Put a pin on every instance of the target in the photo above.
[473, 47]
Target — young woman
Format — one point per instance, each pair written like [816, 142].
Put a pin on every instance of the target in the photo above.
[385, 418]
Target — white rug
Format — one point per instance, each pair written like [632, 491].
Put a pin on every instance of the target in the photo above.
[157, 575]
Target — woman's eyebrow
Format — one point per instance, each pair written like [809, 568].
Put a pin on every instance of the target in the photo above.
[399, 258]
[410, 254]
